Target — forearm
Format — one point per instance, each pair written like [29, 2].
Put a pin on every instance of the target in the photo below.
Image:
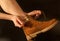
[11, 6]
[5, 16]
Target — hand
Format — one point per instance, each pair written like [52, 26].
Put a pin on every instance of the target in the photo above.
[35, 12]
[17, 21]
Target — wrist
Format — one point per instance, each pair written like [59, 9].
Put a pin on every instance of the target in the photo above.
[9, 17]
[5, 16]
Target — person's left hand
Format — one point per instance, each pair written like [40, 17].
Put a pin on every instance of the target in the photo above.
[34, 13]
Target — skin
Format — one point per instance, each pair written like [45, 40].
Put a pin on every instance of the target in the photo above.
[11, 7]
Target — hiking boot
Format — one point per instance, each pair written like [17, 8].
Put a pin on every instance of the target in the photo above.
[38, 27]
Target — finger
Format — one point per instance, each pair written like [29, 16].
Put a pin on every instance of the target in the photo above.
[31, 13]
[37, 15]
[35, 12]
[19, 21]
[18, 25]
[38, 12]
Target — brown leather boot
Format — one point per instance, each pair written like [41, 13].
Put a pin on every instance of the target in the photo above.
[35, 27]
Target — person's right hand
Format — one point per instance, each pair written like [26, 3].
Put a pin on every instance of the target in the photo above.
[17, 22]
